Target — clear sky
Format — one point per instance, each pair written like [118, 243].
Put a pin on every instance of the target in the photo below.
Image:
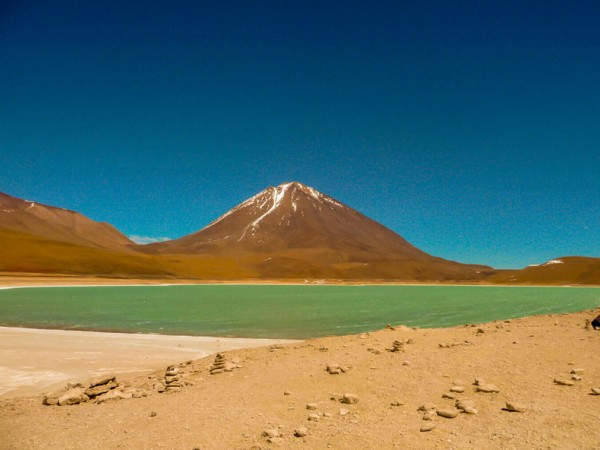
[471, 128]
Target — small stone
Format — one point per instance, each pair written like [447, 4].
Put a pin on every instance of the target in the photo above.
[349, 399]
[448, 396]
[428, 427]
[447, 413]
[98, 381]
[313, 417]
[515, 407]
[577, 371]
[72, 397]
[311, 406]
[563, 382]
[480, 331]
[271, 433]
[287, 393]
[469, 410]
[458, 389]
[335, 396]
[487, 388]
[300, 431]
[427, 407]
[595, 391]
[153, 414]
[50, 400]
[344, 411]
[406, 363]
[396, 403]
[429, 415]
[100, 389]
[576, 377]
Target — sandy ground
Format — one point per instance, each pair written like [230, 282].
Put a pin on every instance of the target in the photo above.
[274, 385]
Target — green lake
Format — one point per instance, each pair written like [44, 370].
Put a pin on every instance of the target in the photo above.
[286, 311]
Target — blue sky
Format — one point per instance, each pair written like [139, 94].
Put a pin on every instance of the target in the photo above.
[470, 128]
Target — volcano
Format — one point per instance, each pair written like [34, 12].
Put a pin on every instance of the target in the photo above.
[293, 230]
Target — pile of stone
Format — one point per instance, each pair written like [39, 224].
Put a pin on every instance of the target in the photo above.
[172, 380]
[98, 390]
[398, 346]
[218, 365]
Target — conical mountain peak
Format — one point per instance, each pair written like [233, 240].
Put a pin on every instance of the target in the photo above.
[292, 215]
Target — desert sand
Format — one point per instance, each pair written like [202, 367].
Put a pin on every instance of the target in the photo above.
[283, 396]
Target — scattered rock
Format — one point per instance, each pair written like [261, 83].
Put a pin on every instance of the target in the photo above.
[487, 388]
[271, 433]
[406, 363]
[373, 350]
[466, 406]
[153, 414]
[287, 393]
[313, 417]
[577, 371]
[515, 407]
[311, 406]
[469, 410]
[427, 427]
[335, 396]
[563, 382]
[429, 415]
[427, 407]
[448, 396]
[457, 389]
[50, 399]
[102, 380]
[595, 391]
[576, 377]
[114, 394]
[396, 403]
[447, 413]
[349, 399]
[73, 397]
[98, 389]
[334, 369]
[344, 411]
[300, 431]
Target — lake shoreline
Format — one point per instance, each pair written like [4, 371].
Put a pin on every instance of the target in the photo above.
[34, 360]
[288, 388]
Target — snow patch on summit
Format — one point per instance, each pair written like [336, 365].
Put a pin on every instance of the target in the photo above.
[553, 261]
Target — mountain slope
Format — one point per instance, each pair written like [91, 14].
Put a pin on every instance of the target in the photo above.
[58, 224]
[294, 231]
[563, 270]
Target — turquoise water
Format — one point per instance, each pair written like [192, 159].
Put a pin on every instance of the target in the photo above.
[278, 311]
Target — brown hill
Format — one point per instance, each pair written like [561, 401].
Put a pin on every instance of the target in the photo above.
[58, 224]
[294, 231]
[564, 270]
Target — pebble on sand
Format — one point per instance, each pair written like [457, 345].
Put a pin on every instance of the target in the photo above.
[515, 407]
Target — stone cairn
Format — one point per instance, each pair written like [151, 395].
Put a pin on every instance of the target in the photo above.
[98, 390]
[398, 346]
[218, 365]
[172, 379]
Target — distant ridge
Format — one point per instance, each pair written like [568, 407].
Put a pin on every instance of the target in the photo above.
[286, 232]
[58, 224]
